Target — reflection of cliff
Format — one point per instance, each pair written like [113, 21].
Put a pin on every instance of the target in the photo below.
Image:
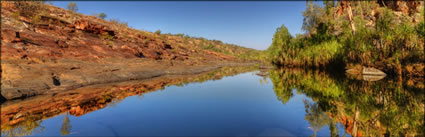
[23, 117]
[385, 107]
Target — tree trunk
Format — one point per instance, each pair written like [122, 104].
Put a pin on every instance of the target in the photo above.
[355, 126]
[350, 17]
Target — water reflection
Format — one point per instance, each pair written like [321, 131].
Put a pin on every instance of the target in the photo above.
[336, 104]
[365, 108]
[23, 117]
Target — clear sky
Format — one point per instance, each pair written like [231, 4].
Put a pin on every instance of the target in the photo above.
[249, 24]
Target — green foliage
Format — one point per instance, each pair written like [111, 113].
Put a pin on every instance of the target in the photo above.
[66, 126]
[388, 43]
[36, 19]
[329, 4]
[158, 32]
[72, 6]
[180, 34]
[382, 38]
[280, 44]
[119, 22]
[25, 128]
[102, 15]
[15, 15]
[29, 8]
[398, 106]
[312, 17]
[420, 29]
[107, 37]
[213, 48]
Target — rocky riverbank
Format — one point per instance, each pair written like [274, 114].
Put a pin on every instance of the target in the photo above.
[23, 113]
[46, 49]
[25, 80]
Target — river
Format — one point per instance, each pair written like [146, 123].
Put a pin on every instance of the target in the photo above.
[228, 102]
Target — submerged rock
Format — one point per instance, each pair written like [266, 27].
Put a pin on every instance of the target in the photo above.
[262, 74]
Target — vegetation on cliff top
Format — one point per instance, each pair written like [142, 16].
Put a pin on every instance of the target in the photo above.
[349, 33]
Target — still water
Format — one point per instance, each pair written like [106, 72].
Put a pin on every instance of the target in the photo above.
[241, 103]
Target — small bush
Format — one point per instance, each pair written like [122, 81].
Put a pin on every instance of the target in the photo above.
[72, 6]
[29, 8]
[180, 34]
[36, 19]
[108, 37]
[16, 15]
[158, 32]
[101, 15]
[118, 22]
[420, 29]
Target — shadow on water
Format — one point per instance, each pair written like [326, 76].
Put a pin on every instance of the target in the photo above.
[385, 107]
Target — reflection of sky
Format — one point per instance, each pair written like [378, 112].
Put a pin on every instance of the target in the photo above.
[233, 106]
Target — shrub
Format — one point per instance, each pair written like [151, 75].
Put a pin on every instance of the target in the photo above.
[280, 43]
[36, 19]
[158, 32]
[180, 34]
[420, 29]
[118, 22]
[72, 6]
[29, 8]
[101, 15]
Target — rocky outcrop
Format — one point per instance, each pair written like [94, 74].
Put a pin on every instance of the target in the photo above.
[92, 27]
[64, 50]
[406, 7]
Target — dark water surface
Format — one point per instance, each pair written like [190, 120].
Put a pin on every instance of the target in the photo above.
[285, 103]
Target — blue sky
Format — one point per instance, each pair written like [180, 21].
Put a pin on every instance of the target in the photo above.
[249, 24]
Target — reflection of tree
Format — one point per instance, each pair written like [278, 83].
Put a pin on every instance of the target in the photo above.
[283, 92]
[25, 128]
[333, 128]
[66, 125]
[385, 107]
[315, 116]
[264, 81]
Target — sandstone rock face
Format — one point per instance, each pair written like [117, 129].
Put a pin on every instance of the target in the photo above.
[342, 7]
[64, 51]
[92, 27]
[407, 7]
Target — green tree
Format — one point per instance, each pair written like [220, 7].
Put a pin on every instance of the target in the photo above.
[329, 4]
[281, 40]
[101, 15]
[158, 32]
[315, 116]
[72, 6]
[66, 126]
[312, 17]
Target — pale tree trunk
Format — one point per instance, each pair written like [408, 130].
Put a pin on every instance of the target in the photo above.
[355, 126]
[350, 17]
